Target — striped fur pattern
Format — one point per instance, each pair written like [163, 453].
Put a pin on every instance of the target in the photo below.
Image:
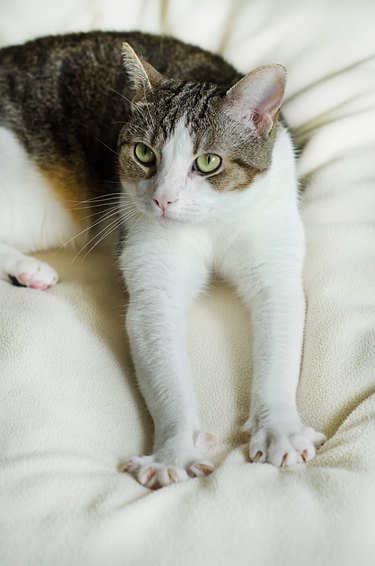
[200, 106]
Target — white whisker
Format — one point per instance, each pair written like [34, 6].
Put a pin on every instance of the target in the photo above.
[122, 96]
[107, 146]
[134, 225]
[101, 205]
[111, 228]
[107, 230]
[93, 239]
[98, 198]
[92, 225]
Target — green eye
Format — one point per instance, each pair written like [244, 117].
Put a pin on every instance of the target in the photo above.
[144, 154]
[208, 162]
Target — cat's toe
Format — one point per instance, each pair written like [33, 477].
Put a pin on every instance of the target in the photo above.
[200, 468]
[135, 463]
[154, 475]
[34, 274]
[284, 447]
[180, 458]
[157, 475]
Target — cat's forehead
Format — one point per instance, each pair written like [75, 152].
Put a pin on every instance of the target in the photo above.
[161, 110]
[197, 113]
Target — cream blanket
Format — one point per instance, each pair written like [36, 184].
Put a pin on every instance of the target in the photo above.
[70, 410]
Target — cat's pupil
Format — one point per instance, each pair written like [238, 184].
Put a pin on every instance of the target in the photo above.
[208, 163]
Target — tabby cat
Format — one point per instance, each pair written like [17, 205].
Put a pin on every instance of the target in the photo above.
[202, 173]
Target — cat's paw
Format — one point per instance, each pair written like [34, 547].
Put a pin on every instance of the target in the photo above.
[284, 445]
[31, 272]
[163, 469]
[155, 475]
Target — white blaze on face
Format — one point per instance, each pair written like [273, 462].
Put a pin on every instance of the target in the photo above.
[176, 163]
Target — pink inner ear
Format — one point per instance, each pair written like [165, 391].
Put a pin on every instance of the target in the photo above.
[257, 118]
[270, 101]
[259, 95]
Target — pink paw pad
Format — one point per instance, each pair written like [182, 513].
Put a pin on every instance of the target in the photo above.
[38, 285]
[33, 273]
[24, 277]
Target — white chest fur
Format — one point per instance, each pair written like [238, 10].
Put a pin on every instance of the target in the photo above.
[255, 239]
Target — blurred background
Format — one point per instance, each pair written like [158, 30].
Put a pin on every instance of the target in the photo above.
[328, 48]
[314, 35]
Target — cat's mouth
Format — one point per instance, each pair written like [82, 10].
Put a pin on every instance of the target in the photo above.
[169, 221]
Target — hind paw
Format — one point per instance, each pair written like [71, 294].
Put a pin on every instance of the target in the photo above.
[33, 273]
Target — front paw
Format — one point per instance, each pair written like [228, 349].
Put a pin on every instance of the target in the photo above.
[153, 474]
[169, 466]
[283, 445]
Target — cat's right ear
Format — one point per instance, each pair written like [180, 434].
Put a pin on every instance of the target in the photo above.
[142, 74]
[257, 97]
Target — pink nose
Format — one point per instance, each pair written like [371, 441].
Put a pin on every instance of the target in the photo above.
[163, 203]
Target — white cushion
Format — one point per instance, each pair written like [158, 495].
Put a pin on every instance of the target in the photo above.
[70, 410]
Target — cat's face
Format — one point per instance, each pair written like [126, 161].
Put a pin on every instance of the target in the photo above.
[190, 149]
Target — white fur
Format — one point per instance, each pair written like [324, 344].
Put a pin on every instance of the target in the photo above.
[31, 217]
[255, 239]
[196, 201]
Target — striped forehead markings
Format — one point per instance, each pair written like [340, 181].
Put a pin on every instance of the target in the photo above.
[185, 99]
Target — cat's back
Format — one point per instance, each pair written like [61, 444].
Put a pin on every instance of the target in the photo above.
[70, 94]
[64, 86]
[89, 64]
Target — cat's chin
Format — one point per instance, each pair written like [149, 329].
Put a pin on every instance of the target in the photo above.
[170, 223]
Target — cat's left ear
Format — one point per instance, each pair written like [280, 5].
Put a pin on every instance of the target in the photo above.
[257, 97]
[141, 73]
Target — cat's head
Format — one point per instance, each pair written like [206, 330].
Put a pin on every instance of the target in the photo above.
[189, 149]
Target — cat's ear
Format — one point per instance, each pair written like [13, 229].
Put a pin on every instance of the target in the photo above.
[257, 97]
[141, 73]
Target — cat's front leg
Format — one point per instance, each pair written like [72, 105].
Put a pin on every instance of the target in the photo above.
[270, 283]
[277, 434]
[163, 276]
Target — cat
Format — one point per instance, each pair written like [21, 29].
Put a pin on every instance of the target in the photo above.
[201, 172]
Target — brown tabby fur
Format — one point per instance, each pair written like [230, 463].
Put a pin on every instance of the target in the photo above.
[67, 98]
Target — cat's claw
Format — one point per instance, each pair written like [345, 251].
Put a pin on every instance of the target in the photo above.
[158, 470]
[155, 475]
[33, 273]
[283, 446]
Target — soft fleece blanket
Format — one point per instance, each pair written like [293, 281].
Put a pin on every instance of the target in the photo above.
[70, 411]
